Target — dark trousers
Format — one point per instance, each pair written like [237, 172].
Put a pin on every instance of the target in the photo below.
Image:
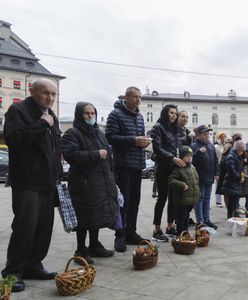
[162, 175]
[232, 204]
[182, 217]
[129, 183]
[31, 230]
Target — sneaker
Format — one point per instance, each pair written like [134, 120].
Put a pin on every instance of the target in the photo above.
[100, 251]
[212, 225]
[191, 222]
[120, 243]
[171, 231]
[84, 253]
[219, 205]
[135, 239]
[159, 236]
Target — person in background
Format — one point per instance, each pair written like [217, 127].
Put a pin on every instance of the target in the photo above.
[184, 183]
[206, 163]
[234, 176]
[186, 136]
[166, 145]
[91, 181]
[32, 134]
[125, 131]
[219, 147]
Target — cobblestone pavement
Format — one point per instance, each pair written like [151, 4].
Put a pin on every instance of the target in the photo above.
[217, 272]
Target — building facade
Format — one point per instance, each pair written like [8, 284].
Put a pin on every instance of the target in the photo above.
[18, 68]
[221, 113]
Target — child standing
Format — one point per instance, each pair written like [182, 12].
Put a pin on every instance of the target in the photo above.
[184, 183]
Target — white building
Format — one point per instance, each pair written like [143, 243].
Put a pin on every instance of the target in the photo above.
[18, 68]
[223, 113]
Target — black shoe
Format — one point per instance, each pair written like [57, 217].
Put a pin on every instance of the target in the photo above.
[40, 274]
[18, 286]
[171, 232]
[135, 239]
[154, 195]
[100, 251]
[191, 222]
[159, 236]
[120, 243]
[212, 225]
[84, 253]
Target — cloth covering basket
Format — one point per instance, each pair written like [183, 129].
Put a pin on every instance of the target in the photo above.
[145, 258]
[184, 244]
[202, 236]
[75, 281]
[237, 225]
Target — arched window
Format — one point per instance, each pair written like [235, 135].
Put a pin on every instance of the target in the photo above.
[149, 117]
[233, 119]
[214, 119]
[195, 118]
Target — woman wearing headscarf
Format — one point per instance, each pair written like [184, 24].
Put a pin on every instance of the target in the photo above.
[90, 181]
[166, 144]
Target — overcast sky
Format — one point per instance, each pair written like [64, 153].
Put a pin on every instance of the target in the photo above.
[194, 35]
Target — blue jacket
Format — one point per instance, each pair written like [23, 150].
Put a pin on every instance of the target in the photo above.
[234, 166]
[123, 125]
[206, 164]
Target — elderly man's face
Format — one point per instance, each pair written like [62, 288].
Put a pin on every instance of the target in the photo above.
[44, 94]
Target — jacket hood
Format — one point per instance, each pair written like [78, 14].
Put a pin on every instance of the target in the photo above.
[121, 104]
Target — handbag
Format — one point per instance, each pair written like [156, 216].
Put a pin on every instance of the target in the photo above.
[66, 210]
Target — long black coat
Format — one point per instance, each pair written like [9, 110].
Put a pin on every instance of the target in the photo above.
[91, 179]
[234, 166]
[34, 147]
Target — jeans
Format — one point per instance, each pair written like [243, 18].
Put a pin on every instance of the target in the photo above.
[203, 206]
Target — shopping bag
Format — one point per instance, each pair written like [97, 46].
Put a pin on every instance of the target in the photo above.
[118, 225]
[65, 208]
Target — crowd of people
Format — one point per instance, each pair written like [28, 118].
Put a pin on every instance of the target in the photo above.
[187, 164]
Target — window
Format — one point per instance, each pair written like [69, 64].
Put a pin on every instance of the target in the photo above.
[149, 105]
[0, 82]
[214, 119]
[1, 101]
[16, 100]
[195, 118]
[233, 108]
[214, 107]
[15, 61]
[149, 117]
[194, 107]
[233, 119]
[30, 63]
[102, 119]
[17, 84]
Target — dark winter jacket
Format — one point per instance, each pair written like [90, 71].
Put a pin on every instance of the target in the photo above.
[222, 172]
[206, 163]
[234, 166]
[91, 179]
[123, 125]
[183, 134]
[34, 147]
[177, 180]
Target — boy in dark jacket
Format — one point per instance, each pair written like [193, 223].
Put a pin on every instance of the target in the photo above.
[184, 182]
[206, 164]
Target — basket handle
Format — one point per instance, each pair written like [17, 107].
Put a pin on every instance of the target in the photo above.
[199, 226]
[145, 242]
[240, 209]
[185, 232]
[78, 258]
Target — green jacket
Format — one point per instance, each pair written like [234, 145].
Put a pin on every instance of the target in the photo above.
[177, 180]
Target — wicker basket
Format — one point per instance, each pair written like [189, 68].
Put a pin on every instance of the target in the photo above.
[184, 244]
[145, 258]
[201, 236]
[75, 281]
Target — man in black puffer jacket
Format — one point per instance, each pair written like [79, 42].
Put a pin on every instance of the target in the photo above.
[125, 132]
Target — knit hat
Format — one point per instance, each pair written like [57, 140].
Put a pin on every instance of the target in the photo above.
[185, 151]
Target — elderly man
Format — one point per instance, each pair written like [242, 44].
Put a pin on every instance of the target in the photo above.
[32, 134]
[125, 132]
